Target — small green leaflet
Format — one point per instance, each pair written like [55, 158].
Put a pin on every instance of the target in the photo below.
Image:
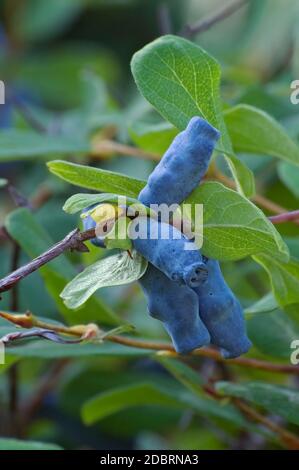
[284, 277]
[233, 226]
[272, 333]
[181, 80]
[80, 201]
[114, 270]
[263, 305]
[96, 178]
[3, 182]
[253, 130]
[17, 444]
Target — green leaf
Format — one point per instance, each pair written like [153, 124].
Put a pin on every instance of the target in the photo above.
[17, 144]
[289, 175]
[113, 270]
[281, 401]
[16, 444]
[253, 130]
[263, 305]
[112, 401]
[153, 137]
[96, 178]
[34, 240]
[233, 226]
[272, 333]
[48, 350]
[243, 175]
[108, 403]
[284, 277]
[181, 80]
[78, 202]
[3, 182]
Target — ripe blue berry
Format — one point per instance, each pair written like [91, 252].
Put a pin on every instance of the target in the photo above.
[183, 165]
[177, 307]
[169, 251]
[222, 313]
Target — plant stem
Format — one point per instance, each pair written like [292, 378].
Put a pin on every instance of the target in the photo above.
[29, 321]
[110, 147]
[73, 241]
[46, 385]
[210, 353]
[191, 30]
[285, 217]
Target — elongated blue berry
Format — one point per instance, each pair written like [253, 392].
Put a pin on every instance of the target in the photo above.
[177, 307]
[222, 313]
[168, 250]
[183, 165]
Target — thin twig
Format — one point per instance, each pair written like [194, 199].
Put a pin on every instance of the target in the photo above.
[42, 196]
[164, 21]
[191, 30]
[105, 147]
[91, 331]
[210, 353]
[47, 384]
[27, 114]
[19, 199]
[285, 217]
[73, 241]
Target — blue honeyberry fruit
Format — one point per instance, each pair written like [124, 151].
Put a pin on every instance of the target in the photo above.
[89, 223]
[183, 165]
[169, 250]
[222, 313]
[177, 307]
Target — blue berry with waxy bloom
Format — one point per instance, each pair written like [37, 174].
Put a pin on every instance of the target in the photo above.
[183, 165]
[168, 250]
[177, 307]
[222, 313]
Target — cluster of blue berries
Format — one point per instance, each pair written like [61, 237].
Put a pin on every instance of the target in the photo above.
[185, 290]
